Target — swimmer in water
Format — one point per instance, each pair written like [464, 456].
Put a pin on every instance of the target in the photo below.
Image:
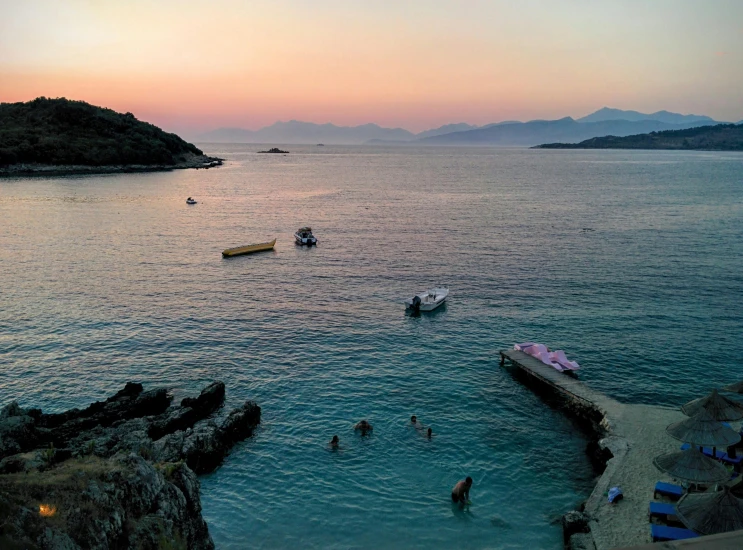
[364, 426]
[461, 491]
[334, 442]
[429, 433]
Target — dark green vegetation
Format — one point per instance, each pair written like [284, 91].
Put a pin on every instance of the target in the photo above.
[65, 132]
[275, 150]
[722, 137]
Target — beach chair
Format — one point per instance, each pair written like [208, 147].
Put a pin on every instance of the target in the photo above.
[669, 490]
[663, 532]
[735, 462]
[707, 451]
[720, 455]
[661, 510]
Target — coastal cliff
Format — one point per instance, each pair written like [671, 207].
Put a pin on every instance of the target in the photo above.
[60, 136]
[119, 474]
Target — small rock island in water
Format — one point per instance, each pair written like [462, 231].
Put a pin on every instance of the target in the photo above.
[119, 474]
[275, 150]
[60, 136]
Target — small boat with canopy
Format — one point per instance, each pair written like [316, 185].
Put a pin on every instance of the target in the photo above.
[304, 236]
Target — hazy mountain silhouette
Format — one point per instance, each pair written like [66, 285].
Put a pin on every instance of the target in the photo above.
[608, 113]
[565, 130]
[603, 122]
[447, 129]
[295, 131]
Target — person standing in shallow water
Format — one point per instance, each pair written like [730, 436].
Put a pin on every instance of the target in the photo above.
[461, 491]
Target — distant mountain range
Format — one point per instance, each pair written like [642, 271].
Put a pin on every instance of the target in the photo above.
[295, 131]
[608, 113]
[603, 122]
[565, 130]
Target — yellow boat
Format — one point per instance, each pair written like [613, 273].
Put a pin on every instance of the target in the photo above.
[240, 250]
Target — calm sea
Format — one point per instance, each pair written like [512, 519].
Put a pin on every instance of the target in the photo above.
[632, 262]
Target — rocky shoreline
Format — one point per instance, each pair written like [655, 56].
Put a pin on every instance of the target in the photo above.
[120, 473]
[48, 170]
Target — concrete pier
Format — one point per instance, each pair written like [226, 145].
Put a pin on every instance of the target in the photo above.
[633, 434]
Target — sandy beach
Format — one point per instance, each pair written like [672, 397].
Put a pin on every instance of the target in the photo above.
[637, 436]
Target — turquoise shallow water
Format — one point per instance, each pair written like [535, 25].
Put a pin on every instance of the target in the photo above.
[630, 261]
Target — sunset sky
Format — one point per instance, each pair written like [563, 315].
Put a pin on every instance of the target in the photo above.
[193, 66]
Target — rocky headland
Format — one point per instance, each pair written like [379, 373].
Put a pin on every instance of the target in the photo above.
[58, 136]
[120, 473]
[722, 137]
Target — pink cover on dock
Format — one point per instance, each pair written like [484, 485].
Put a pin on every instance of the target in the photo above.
[556, 359]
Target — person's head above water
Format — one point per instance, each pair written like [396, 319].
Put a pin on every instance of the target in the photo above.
[430, 431]
[414, 419]
[363, 425]
[468, 481]
[335, 440]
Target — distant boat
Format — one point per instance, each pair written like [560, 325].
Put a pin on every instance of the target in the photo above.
[304, 235]
[189, 200]
[321, 145]
[427, 301]
[249, 249]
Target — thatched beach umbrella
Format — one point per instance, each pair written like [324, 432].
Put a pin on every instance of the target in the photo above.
[711, 513]
[702, 429]
[691, 465]
[721, 408]
[734, 388]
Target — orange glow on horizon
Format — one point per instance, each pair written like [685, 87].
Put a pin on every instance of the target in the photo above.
[416, 65]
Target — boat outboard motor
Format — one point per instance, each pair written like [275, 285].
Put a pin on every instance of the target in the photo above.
[416, 303]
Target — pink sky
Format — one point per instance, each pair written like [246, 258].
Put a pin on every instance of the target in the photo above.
[192, 66]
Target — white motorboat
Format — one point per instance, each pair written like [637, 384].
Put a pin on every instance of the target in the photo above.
[189, 200]
[304, 236]
[427, 301]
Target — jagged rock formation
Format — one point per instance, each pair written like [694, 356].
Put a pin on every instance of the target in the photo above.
[118, 474]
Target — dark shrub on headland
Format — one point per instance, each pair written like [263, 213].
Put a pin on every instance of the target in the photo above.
[65, 132]
[722, 137]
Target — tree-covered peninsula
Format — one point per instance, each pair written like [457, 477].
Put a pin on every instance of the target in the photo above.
[64, 136]
[722, 137]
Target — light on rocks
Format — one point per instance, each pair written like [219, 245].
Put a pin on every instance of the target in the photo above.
[47, 510]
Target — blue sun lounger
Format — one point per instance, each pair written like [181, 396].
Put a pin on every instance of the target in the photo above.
[668, 490]
[661, 510]
[719, 455]
[663, 532]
